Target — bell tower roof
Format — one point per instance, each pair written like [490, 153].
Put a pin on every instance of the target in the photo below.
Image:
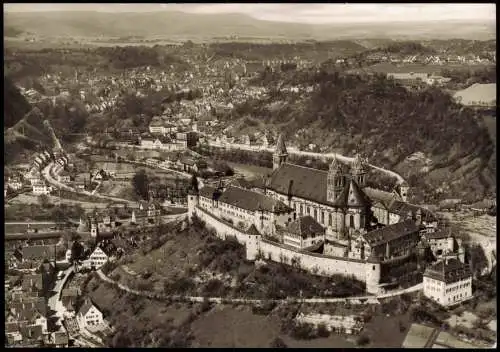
[359, 164]
[336, 166]
[280, 145]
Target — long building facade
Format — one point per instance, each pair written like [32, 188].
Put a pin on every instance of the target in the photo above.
[351, 229]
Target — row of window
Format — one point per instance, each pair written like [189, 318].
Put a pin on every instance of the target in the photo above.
[452, 289]
[458, 297]
[302, 210]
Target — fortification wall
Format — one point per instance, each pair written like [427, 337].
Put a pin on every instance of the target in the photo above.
[313, 262]
[317, 264]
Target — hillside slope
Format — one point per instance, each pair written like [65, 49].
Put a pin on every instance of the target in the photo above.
[170, 23]
[24, 131]
[389, 124]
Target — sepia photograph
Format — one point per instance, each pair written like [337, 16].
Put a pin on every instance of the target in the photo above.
[250, 175]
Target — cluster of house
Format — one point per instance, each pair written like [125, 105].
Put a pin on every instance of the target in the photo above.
[331, 212]
[26, 308]
[168, 141]
[342, 324]
[183, 164]
[439, 59]
[106, 221]
[418, 79]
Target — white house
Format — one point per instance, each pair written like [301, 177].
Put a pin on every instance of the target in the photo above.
[98, 258]
[41, 188]
[14, 183]
[448, 282]
[89, 315]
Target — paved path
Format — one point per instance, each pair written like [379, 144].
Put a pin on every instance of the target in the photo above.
[352, 300]
[340, 157]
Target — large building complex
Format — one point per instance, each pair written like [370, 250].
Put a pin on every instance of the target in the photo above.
[328, 221]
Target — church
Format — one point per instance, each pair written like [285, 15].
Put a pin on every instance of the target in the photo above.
[339, 200]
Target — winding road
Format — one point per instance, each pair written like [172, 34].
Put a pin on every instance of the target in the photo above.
[219, 300]
[290, 150]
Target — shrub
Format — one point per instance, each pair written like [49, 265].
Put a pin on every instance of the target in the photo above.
[277, 342]
[323, 331]
[363, 340]
[303, 331]
[205, 306]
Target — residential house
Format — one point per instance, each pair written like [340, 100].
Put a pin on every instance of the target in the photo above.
[89, 315]
[57, 339]
[150, 209]
[32, 283]
[37, 252]
[304, 232]
[65, 177]
[15, 183]
[388, 242]
[97, 258]
[187, 139]
[69, 298]
[440, 242]
[101, 175]
[448, 282]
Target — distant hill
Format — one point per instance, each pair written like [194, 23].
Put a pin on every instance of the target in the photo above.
[180, 24]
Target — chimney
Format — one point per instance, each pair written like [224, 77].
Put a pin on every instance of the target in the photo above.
[289, 193]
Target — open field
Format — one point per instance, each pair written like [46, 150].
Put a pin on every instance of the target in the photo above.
[249, 171]
[120, 189]
[31, 199]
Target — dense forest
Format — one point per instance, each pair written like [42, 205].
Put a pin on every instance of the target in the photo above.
[28, 63]
[378, 117]
[15, 105]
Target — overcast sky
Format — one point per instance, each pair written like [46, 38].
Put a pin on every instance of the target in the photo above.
[306, 13]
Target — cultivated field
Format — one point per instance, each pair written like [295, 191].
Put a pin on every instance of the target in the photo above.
[119, 189]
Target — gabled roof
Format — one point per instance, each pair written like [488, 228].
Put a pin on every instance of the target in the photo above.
[38, 252]
[403, 209]
[245, 199]
[305, 227]
[252, 230]
[87, 305]
[351, 196]
[448, 271]
[390, 232]
[381, 196]
[311, 184]
[280, 145]
[32, 281]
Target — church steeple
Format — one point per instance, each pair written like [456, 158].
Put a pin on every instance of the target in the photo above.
[335, 180]
[359, 169]
[280, 154]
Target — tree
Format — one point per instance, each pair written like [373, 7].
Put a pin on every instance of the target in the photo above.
[44, 201]
[140, 182]
[77, 251]
[278, 342]
[194, 184]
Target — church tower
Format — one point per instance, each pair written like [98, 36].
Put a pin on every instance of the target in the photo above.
[335, 180]
[280, 154]
[359, 169]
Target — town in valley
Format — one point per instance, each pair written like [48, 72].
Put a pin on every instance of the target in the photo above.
[250, 175]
